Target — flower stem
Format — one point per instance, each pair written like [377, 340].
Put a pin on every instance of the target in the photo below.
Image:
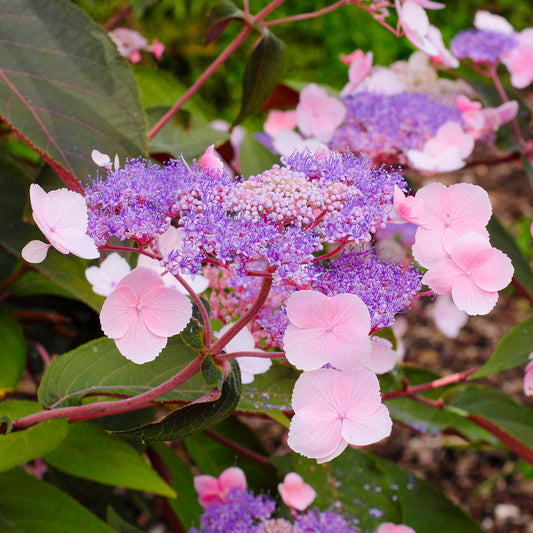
[111, 408]
[305, 16]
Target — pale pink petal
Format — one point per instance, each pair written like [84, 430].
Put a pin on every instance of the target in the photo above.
[470, 207]
[471, 299]
[208, 490]
[410, 208]
[441, 276]
[232, 478]
[368, 429]
[495, 274]
[158, 49]
[448, 160]
[428, 249]
[250, 366]
[242, 342]
[519, 61]
[358, 71]
[327, 458]
[484, 20]
[81, 245]
[306, 348]
[118, 312]
[305, 309]
[448, 318]
[528, 379]
[105, 277]
[279, 120]
[389, 527]
[355, 394]
[100, 159]
[135, 56]
[35, 251]
[210, 160]
[470, 251]
[295, 492]
[382, 356]
[428, 4]
[383, 81]
[444, 57]
[415, 24]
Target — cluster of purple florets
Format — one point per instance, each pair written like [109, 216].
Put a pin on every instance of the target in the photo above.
[243, 512]
[386, 126]
[482, 46]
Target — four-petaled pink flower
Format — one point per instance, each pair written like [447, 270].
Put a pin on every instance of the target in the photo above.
[473, 274]
[141, 313]
[389, 527]
[62, 216]
[317, 114]
[295, 493]
[415, 24]
[212, 490]
[104, 278]
[327, 329]
[280, 120]
[333, 409]
[519, 60]
[449, 212]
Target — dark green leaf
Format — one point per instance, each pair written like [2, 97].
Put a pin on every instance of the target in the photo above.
[512, 351]
[254, 158]
[177, 139]
[186, 506]
[261, 74]
[193, 417]
[359, 483]
[67, 271]
[271, 391]
[65, 88]
[528, 169]
[212, 373]
[21, 446]
[501, 239]
[118, 523]
[28, 505]
[13, 356]
[219, 18]
[193, 335]
[90, 453]
[496, 406]
[98, 367]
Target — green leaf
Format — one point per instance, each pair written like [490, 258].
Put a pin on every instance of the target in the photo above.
[33, 283]
[118, 523]
[13, 357]
[65, 88]
[528, 169]
[212, 373]
[512, 351]
[98, 367]
[193, 417]
[186, 506]
[21, 446]
[189, 139]
[193, 335]
[358, 482]
[28, 505]
[260, 74]
[271, 391]
[219, 18]
[497, 407]
[500, 238]
[254, 158]
[66, 271]
[90, 453]
[212, 456]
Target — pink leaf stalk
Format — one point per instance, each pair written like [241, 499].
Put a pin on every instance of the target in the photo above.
[317, 114]
[449, 212]
[473, 274]
[104, 278]
[333, 409]
[326, 329]
[62, 216]
[141, 313]
[212, 490]
[295, 493]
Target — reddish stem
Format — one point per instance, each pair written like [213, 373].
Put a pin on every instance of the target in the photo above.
[111, 408]
[305, 16]
[237, 447]
[264, 355]
[435, 384]
[129, 249]
[14, 277]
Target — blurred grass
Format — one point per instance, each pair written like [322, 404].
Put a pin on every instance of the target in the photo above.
[313, 46]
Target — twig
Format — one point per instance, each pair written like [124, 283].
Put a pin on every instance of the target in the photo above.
[237, 447]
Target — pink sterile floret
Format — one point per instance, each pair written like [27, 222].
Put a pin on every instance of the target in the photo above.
[410, 208]
[210, 160]
[141, 313]
[389, 527]
[360, 65]
[447, 317]
[333, 409]
[445, 152]
[415, 24]
[383, 357]
[528, 377]
[212, 490]
[104, 278]
[484, 20]
[244, 342]
[279, 120]
[519, 60]
[449, 212]
[327, 329]
[295, 492]
[473, 274]
[317, 114]
[443, 56]
[62, 216]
